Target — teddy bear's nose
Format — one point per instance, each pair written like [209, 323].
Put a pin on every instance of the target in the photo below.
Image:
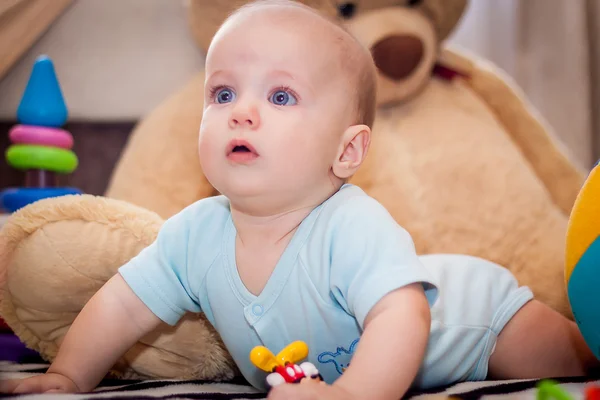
[397, 56]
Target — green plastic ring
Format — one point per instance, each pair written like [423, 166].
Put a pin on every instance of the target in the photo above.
[24, 157]
[550, 390]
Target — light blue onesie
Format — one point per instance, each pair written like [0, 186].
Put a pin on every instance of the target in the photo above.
[344, 257]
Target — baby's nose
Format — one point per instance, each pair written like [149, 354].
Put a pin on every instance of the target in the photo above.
[242, 121]
[248, 118]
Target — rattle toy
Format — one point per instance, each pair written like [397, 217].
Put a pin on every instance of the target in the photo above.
[551, 390]
[39, 147]
[582, 269]
[592, 392]
[283, 367]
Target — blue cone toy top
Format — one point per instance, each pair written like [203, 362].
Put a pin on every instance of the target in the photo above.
[42, 102]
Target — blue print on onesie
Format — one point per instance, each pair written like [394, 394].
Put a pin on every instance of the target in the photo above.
[340, 359]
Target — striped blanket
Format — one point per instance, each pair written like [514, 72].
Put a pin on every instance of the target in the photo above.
[239, 389]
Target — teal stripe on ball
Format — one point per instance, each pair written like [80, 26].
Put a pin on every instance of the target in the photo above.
[583, 290]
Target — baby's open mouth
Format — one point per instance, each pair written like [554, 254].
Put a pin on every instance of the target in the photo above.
[240, 146]
[240, 149]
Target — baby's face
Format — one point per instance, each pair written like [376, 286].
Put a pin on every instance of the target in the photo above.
[276, 106]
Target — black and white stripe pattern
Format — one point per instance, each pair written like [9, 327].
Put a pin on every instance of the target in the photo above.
[239, 389]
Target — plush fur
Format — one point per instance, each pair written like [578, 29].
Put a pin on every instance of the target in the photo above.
[465, 164]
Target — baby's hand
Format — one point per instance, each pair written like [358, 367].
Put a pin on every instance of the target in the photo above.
[46, 383]
[309, 390]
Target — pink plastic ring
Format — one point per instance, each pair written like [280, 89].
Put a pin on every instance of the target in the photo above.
[41, 135]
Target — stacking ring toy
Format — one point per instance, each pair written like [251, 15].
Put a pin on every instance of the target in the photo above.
[14, 199]
[39, 146]
[31, 134]
[22, 156]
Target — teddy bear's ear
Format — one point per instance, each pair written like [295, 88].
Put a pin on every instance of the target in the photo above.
[56, 253]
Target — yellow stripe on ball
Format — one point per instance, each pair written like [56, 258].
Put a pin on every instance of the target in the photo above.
[584, 222]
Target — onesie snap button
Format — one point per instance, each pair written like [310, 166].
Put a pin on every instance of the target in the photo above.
[257, 310]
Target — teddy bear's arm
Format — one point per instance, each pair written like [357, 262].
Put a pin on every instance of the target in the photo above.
[562, 177]
[159, 168]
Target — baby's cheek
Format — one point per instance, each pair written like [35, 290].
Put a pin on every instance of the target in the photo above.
[207, 150]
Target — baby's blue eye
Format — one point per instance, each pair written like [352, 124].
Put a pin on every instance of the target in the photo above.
[283, 98]
[225, 96]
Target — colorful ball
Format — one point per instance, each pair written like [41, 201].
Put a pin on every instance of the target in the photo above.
[24, 157]
[582, 268]
[32, 134]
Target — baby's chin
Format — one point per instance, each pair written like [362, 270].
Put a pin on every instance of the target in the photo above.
[240, 189]
[258, 198]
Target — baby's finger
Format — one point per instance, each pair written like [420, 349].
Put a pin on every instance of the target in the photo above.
[293, 392]
[38, 384]
[29, 386]
[56, 391]
[8, 385]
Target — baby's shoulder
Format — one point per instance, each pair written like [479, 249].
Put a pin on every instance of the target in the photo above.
[353, 208]
[209, 211]
[201, 224]
[213, 210]
[353, 220]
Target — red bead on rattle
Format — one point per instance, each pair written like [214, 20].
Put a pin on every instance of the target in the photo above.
[283, 367]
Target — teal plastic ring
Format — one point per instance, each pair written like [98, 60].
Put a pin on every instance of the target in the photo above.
[13, 199]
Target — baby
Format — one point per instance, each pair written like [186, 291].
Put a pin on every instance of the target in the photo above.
[291, 251]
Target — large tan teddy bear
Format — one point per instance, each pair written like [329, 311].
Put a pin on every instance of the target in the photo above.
[458, 157]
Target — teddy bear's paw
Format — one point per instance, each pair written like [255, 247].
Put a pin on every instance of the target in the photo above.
[190, 350]
[56, 253]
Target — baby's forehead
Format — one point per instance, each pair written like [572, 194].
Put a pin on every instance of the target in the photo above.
[299, 28]
[305, 22]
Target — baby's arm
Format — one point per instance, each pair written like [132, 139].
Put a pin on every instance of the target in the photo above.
[388, 355]
[391, 347]
[112, 321]
[377, 277]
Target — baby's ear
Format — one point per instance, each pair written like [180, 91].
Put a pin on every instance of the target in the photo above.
[353, 150]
